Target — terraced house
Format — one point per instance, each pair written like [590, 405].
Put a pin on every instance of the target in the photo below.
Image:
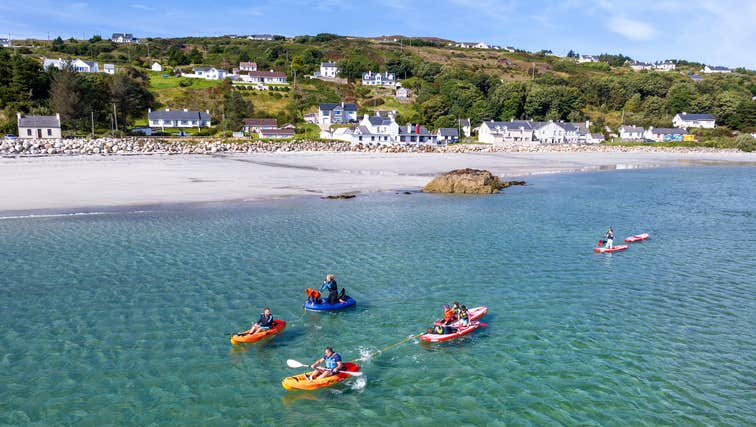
[378, 79]
[178, 118]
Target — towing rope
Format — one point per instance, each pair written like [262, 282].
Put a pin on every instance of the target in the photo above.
[383, 350]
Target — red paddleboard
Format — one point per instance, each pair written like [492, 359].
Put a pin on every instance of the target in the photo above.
[475, 313]
[637, 238]
[614, 249]
[445, 337]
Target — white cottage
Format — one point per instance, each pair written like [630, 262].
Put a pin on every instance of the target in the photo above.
[685, 120]
[378, 79]
[39, 127]
[156, 67]
[631, 133]
[329, 70]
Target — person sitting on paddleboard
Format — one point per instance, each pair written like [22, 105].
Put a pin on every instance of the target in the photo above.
[464, 316]
[263, 323]
[333, 365]
[610, 238]
[330, 285]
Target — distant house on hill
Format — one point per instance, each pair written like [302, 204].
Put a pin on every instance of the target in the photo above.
[178, 118]
[255, 125]
[207, 73]
[329, 114]
[265, 77]
[123, 38]
[715, 70]
[378, 79]
[267, 37]
[631, 133]
[665, 66]
[473, 45]
[247, 66]
[6, 43]
[685, 120]
[77, 65]
[329, 70]
[640, 66]
[664, 134]
[156, 67]
[109, 69]
[38, 127]
[587, 58]
[402, 92]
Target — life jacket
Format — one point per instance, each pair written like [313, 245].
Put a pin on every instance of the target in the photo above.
[464, 315]
[312, 293]
[266, 321]
[449, 315]
[438, 329]
[330, 362]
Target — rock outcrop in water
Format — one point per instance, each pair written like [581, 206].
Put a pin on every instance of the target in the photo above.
[468, 181]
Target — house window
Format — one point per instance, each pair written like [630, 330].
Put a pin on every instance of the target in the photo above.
[28, 132]
[49, 132]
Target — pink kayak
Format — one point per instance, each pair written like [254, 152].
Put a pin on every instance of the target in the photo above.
[637, 238]
[444, 337]
[614, 249]
[475, 313]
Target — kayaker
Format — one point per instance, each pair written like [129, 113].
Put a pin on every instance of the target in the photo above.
[332, 362]
[330, 285]
[441, 330]
[263, 323]
[449, 316]
[455, 307]
[609, 238]
[313, 295]
[464, 316]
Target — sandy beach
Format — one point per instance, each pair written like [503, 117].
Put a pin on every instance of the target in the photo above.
[76, 183]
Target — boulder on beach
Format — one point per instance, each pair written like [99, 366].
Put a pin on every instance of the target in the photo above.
[340, 196]
[468, 181]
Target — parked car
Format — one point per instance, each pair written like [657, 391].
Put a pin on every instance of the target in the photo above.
[10, 136]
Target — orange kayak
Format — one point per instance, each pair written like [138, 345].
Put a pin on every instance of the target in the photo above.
[300, 382]
[278, 326]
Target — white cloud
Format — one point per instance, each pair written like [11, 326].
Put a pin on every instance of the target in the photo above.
[631, 29]
[141, 6]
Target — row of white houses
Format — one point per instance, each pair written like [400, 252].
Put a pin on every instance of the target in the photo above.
[528, 132]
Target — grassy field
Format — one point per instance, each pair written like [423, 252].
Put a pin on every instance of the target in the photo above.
[160, 81]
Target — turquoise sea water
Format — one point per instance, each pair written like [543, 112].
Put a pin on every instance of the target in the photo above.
[121, 318]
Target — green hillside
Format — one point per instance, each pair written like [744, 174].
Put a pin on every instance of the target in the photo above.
[447, 83]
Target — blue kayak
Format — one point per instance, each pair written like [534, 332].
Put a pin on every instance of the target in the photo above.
[330, 307]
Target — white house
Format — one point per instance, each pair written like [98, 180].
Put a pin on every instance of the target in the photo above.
[587, 58]
[267, 37]
[464, 124]
[178, 118]
[715, 70]
[329, 114]
[77, 65]
[247, 66]
[109, 69]
[402, 92]
[255, 125]
[664, 134]
[665, 66]
[378, 79]
[384, 130]
[631, 133]
[640, 66]
[685, 120]
[594, 138]
[506, 133]
[555, 133]
[123, 38]
[38, 127]
[207, 73]
[156, 67]
[6, 43]
[473, 45]
[447, 135]
[329, 70]
[266, 77]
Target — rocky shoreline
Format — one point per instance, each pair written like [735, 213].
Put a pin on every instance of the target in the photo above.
[135, 145]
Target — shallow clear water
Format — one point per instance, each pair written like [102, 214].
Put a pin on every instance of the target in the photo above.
[121, 318]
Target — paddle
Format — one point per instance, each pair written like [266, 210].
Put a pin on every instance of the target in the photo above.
[294, 364]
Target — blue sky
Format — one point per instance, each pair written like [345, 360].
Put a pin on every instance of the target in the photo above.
[716, 32]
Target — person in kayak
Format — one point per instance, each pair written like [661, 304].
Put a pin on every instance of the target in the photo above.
[330, 285]
[441, 330]
[263, 323]
[464, 316]
[332, 362]
[313, 295]
[449, 315]
[609, 238]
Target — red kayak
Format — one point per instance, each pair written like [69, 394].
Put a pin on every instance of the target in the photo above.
[637, 238]
[614, 249]
[475, 313]
[445, 337]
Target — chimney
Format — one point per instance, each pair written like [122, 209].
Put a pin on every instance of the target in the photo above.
[149, 109]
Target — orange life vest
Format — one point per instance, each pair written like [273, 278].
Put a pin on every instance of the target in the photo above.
[312, 293]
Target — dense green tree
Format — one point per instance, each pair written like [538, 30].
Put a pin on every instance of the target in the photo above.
[680, 97]
[236, 109]
[195, 56]
[65, 96]
[508, 101]
[58, 45]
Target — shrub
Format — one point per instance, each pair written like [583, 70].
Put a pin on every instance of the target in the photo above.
[185, 82]
[745, 142]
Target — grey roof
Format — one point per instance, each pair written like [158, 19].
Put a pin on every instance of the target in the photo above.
[413, 130]
[631, 129]
[695, 77]
[464, 122]
[718, 68]
[124, 35]
[177, 115]
[201, 68]
[515, 124]
[673, 131]
[91, 64]
[276, 131]
[378, 121]
[448, 132]
[330, 106]
[363, 130]
[597, 135]
[328, 64]
[686, 116]
[38, 121]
